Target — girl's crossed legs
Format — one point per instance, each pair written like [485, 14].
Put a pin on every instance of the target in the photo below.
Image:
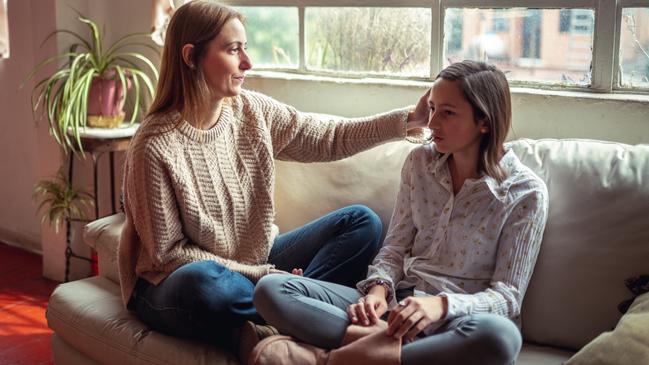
[314, 311]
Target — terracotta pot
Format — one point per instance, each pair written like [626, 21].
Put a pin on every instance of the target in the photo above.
[106, 101]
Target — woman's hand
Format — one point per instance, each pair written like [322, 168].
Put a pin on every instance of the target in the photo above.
[418, 118]
[369, 308]
[298, 272]
[414, 314]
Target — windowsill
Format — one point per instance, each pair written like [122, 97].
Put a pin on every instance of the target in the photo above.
[291, 76]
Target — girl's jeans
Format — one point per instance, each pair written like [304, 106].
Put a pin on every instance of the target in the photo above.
[314, 311]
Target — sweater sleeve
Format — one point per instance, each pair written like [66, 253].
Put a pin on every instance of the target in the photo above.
[518, 248]
[307, 137]
[388, 263]
[150, 203]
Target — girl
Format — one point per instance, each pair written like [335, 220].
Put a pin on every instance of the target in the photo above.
[199, 179]
[459, 253]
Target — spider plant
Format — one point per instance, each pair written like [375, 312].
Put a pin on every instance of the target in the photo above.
[63, 96]
[60, 201]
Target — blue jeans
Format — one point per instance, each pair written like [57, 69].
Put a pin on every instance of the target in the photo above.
[206, 300]
[314, 311]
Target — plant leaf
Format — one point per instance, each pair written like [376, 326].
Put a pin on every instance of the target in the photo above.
[141, 58]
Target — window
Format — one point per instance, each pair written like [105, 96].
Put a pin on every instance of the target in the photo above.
[575, 21]
[368, 40]
[4, 30]
[545, 43]
[273, 35]
[634, 48]
[500, 22]
[453, 33]
[532, 49]
[531, 41]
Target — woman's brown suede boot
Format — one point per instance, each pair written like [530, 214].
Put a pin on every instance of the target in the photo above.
[285, 350]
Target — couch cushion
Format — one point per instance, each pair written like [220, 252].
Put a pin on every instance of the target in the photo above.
[63, 353]
[304, 192]
[596, 236]
[627, 344]
[103, 236]
[532, 354]
[90, 323]
[88, 315]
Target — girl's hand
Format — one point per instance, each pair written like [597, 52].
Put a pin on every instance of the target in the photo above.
[368, 310]
[298, 272]
[414, 314]
[418, 118]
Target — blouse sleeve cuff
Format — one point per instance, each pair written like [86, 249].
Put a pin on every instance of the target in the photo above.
[458, 305]
[364, 286]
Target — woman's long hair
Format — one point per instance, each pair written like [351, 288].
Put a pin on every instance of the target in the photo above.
[182, 88]
[485, 87]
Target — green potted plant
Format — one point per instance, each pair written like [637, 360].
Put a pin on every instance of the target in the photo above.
[91, 87]
[60, 201]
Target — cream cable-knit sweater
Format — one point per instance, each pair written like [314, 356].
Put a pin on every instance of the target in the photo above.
[194, 195]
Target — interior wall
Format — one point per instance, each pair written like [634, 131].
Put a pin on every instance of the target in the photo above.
[25, 146]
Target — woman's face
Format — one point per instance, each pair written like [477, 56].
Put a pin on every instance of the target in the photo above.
[226, 61]
[451, 119]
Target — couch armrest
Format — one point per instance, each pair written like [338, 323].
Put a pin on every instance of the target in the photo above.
[103, 235]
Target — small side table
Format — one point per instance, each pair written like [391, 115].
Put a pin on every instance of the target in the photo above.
[96, 142]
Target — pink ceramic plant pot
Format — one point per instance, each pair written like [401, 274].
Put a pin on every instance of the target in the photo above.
[106, 101]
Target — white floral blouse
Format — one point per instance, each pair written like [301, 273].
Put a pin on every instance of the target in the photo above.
[478, 248]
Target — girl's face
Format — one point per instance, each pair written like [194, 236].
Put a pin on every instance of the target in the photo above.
[452, 121]
[226, 60]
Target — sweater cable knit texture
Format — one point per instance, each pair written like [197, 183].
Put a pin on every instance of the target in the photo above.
[193, 195]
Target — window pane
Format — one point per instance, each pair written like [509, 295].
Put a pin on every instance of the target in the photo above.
[272, 35]
[4, 30]
[382, 41]
[540, 45]
[634, 48]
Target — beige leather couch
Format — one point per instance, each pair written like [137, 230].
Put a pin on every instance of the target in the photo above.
[597, 235]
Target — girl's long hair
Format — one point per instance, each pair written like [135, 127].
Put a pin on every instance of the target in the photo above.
[485, 87]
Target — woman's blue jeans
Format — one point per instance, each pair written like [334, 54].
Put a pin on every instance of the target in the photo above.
[205, 300]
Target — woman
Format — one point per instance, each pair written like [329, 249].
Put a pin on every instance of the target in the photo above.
[198, 186]
[461, 246]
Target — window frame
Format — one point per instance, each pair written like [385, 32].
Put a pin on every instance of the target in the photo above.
[606, 34]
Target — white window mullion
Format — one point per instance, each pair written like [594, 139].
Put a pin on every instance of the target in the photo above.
[302, 38]
[436, 38]
[616, 50]
[606, 37]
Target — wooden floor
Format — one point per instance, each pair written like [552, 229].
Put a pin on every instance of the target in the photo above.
[24, 335]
